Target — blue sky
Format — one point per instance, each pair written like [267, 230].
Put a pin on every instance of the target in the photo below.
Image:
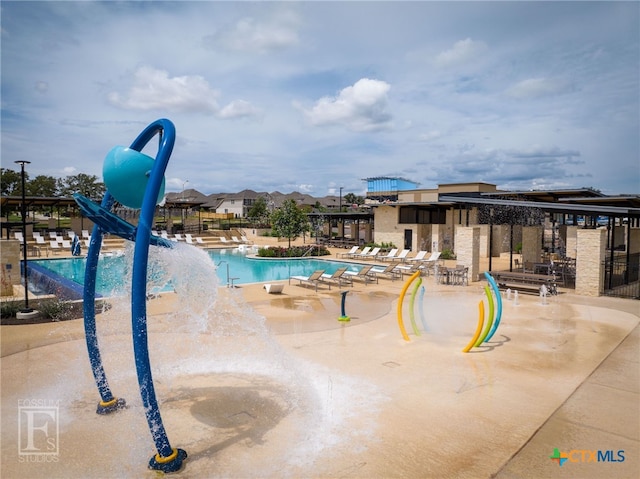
[313, 96]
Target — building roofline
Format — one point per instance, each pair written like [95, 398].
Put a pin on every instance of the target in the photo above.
[572, 208]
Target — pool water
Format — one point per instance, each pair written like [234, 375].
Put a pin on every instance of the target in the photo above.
[231, 265]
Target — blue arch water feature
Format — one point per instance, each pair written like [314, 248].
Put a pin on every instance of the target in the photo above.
[144, 184]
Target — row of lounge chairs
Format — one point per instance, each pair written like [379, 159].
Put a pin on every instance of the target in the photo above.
[367, 274]
[400, 265]
[368, 253]
[342, 276]
[234, 239]
[178, 237]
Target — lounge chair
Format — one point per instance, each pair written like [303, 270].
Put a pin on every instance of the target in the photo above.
[337, 277]
[178, 237]
[390, 271]
[411, 268]
[389, 256]
[348, 254]
[364, 251]
[200, 241]
[435, 256]
[402, 256]
[365, 274]
[235, 239]
[85, 234]
[314, 279]
[224, 240]
[431, 262]
[418, 257]
[372, 254]
[54, 246]
[245, 239]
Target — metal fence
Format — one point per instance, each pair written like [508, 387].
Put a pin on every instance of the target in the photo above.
[622, 277]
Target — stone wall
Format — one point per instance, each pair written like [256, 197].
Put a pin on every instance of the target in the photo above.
[571, 242]
[468, 249]
[591, 249]
[387, 229]
[531, 244]
[10, 257]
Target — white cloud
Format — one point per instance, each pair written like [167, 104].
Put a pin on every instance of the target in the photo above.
[462, 52]
[250, 35]
[239, 109]
[361, 107]
[543, 152]
[306, 188]
[537, 87]
[153, 89]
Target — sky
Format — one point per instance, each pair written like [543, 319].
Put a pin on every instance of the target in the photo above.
[315, 96]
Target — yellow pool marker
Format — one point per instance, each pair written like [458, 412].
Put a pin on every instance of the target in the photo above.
[476, 335]
[402, 293]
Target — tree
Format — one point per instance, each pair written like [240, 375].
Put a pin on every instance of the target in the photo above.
[258, 212]
[42, 185]
[86, 185]
[11, 182]
[352, 199]
[289, 221]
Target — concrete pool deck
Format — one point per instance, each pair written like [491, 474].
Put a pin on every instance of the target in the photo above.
[284, 389]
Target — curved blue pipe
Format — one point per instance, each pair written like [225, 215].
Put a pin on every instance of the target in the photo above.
[89, 307]
[421, 309]
[166, 129]
[496, 290]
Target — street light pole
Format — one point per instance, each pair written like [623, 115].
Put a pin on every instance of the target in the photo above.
[182, 215]
[340, 207]
[24, 238]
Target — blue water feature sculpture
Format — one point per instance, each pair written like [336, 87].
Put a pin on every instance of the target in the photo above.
[343, 316]
[137, 181]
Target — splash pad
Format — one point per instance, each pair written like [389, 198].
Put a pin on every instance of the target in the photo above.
[354, 401]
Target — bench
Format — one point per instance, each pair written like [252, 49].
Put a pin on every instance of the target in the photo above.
[525, 282]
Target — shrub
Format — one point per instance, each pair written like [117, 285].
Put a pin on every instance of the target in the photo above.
[55, 309]
[447, 254]
[293, 252]
[9, 309]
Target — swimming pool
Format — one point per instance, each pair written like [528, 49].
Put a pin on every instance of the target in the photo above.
[51, 275]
